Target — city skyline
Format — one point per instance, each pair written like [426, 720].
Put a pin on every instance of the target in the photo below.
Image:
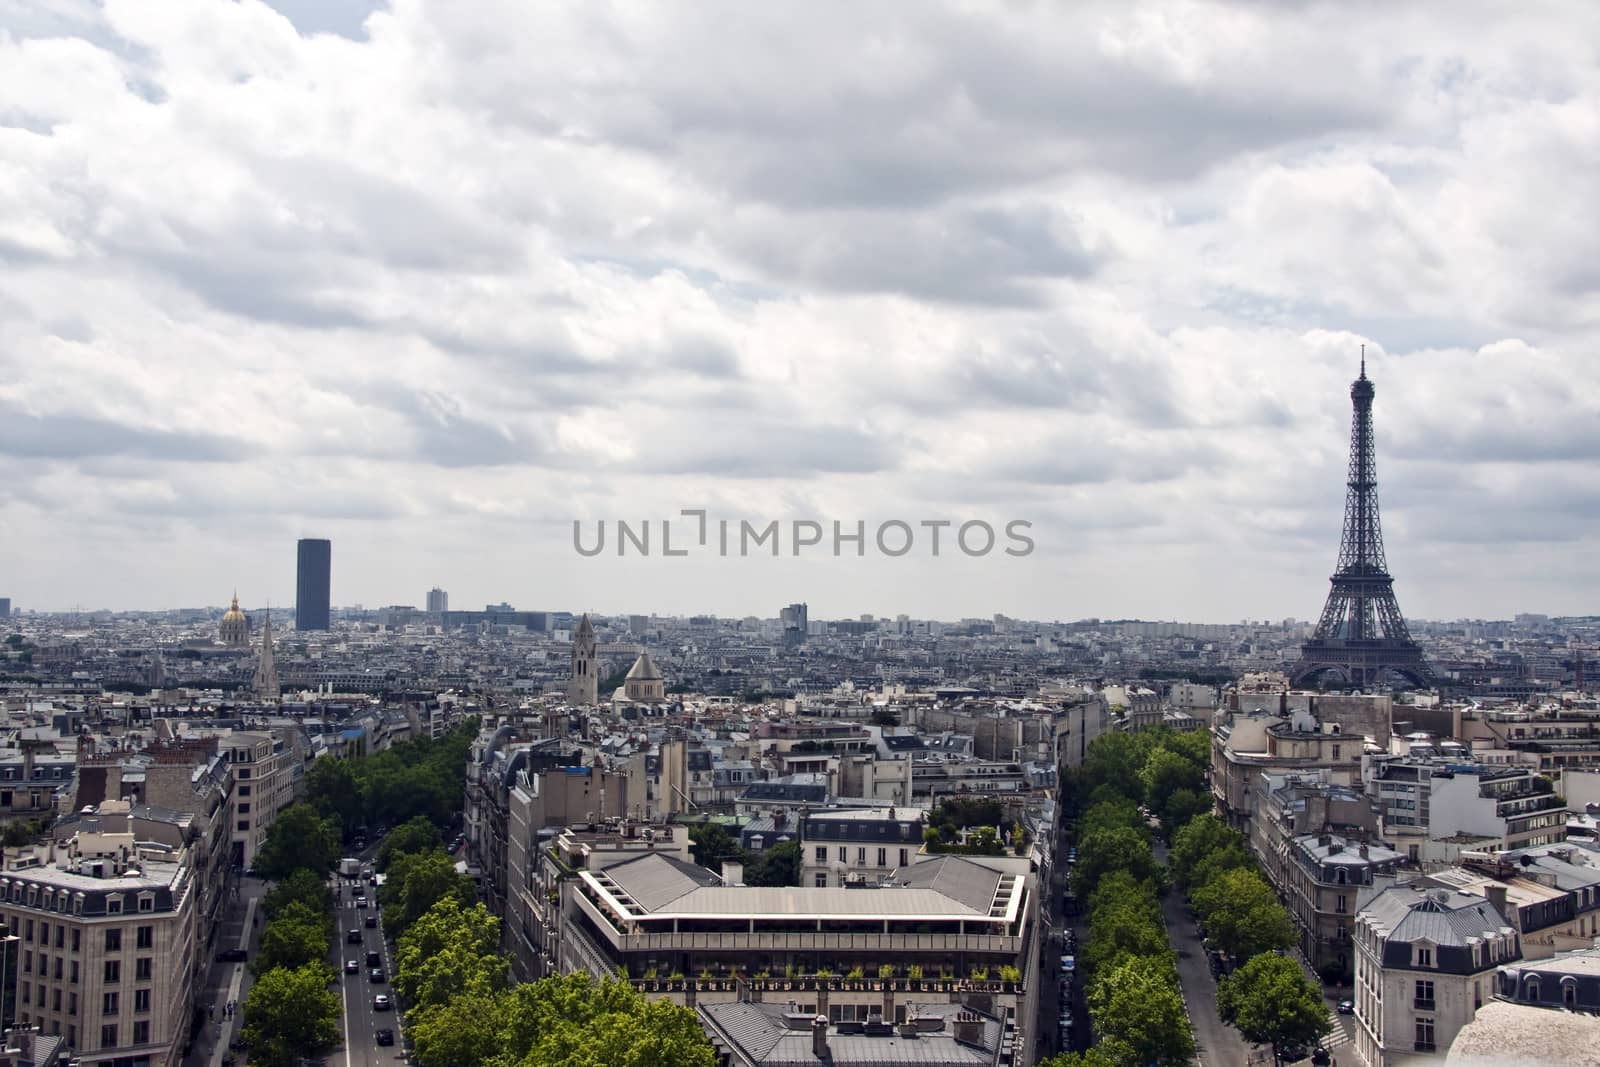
[270, 277]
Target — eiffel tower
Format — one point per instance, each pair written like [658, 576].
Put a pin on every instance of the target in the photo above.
[1361, 633]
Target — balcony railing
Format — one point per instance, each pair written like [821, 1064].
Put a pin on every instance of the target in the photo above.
[1421, 1004]
[1424, 1046]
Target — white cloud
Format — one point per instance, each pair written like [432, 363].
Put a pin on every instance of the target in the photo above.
[435, 279]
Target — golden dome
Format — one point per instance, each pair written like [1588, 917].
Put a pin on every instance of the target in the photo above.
[233, 614]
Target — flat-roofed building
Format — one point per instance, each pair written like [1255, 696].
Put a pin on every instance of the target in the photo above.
[752, 1034]
[949, 930]
[858, 845]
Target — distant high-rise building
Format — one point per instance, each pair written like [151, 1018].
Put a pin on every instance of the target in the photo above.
[313, 584]
[5, 607]
[438, 601]
[795, 623]
[584, 685]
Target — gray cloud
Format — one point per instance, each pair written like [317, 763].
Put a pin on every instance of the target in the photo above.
[70, 436]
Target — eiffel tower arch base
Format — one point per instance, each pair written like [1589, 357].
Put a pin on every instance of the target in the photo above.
[1361, 665]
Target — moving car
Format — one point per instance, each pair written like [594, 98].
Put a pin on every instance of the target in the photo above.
[372, 922]
[1069, 964]
[374, 960]
[352, 967]
[1347, 1007]
[381, 1003]
[385, 1036]
[361, 902]
[375, 975]
[353, 937]
[232, 955]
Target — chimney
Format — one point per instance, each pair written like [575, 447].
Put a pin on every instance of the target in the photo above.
[969, 1028]
[819, 1038]
[1363, 850]
[1496, 893]
[732, 872]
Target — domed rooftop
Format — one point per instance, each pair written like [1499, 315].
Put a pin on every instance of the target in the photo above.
[233, 614]
[644, 669]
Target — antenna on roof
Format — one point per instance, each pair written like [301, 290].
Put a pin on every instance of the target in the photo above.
[1363, 361]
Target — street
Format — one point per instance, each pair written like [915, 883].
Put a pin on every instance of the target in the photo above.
[359, 1020]
[227, 982]
[1216, 1043]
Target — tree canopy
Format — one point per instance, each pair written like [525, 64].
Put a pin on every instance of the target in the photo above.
[417, 834]
[295, 937]
[300, 887]
[575, 1021]
[710, 844]
[1270, 1001]
[416, 882]
[332, 789]
[450, 950]
[1138, 1013]
[299, 838]
[779, 865]
[290, 1015]
[1242, 915]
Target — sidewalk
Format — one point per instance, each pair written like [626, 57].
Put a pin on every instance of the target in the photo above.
[1340, 1035]
[1216, 1043]
[226, 982]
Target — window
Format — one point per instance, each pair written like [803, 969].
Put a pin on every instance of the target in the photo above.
[73, 976]
[147, 903]
[75, 943]
[27, 963]
[29, 935]
[112, 972]
[55, 1000]
[141, 969]
[1424, 1001]
[822, 880]
[108, 1036]
[72, 1035]
[141, 1032]
[146, 937]
[244, 809]
[58, 969]
[822, 853]
[1569, 994]
[114, 905]
[861, 857]
[1533, 988]
[72, 1003]
[244, 825]
[61, 931]
[44, 933]
[1424, 1035]
[141, 1000]
[883, 857]
[904, 861]
[111, 1004]
[1424, 957]
[244, 790]
[114, 939]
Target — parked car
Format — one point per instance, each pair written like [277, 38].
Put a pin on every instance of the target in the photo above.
[1347, 1007]
[1069, 964]
[232, 955]
[376, 976]
[352, 967]
[381, 1003]
[385, 1036]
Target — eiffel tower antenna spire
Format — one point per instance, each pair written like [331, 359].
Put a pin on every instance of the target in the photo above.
[1361, 633]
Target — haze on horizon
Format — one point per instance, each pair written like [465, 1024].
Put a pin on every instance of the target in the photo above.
[434, 280]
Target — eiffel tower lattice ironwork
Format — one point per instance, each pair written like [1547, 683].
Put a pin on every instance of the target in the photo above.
[1361, 633]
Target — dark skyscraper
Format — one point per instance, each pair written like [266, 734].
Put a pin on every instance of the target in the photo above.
[312, 583]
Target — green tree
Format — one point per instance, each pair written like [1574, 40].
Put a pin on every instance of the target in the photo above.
[1104, 851]
[291, 1015]
[1166, 772]
[1088, 1058]
[779, 865]
[1119, 814]
[1242, 915]
[465, 1031]
[1271, 1002]
[450, 950]
[710, 844]
[1235, 857]
[1121, 929]
[418, 834]
[1120, 887]
[1195, 840]
[301, 887]
[297, 936]
[1138, 1013]
[299, 838]
[1182, 805]
[332, 789]
[575, 1021]
[415, 883]
[1114, 760]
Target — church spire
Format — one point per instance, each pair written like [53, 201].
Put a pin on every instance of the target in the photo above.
[266, 679]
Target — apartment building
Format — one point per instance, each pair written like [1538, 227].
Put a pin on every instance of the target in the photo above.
[1325, 873]
[34, 776]
[1245, 745]
[1425, 963]
[263, 786]
[107, 947]
[855, 846]
[1426, 805]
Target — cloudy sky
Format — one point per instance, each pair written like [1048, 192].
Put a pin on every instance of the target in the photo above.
[435, 279]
